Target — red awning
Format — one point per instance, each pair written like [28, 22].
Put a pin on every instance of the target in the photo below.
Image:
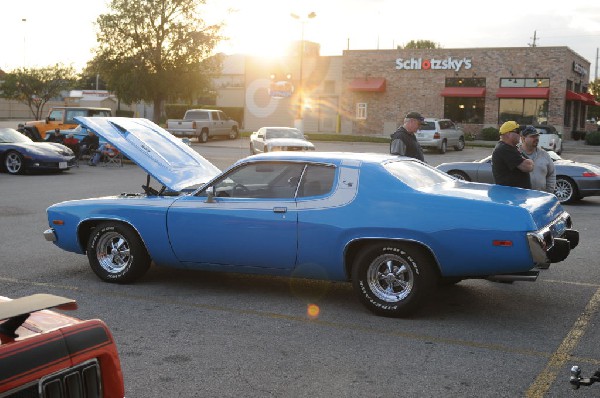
[523, 92]
[573, 96]
[374, 84]
[477, 92]
[588, 99]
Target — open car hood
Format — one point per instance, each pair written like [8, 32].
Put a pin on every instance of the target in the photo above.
[165, 157]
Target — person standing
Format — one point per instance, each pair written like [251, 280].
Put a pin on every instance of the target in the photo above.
[543, 176]
[404, 142]
[509, 167]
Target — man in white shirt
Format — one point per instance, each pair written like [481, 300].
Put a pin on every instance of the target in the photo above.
[543, 176]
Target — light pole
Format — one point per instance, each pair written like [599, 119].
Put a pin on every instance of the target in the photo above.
[24, 20]
[299, 123]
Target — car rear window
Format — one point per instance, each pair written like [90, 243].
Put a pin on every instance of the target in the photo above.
[417, 175]
[196, 115]
[428, 126]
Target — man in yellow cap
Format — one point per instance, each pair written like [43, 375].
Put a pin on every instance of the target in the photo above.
[509, 167]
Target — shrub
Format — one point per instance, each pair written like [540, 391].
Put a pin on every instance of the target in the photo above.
[490, 134]
[593, 138]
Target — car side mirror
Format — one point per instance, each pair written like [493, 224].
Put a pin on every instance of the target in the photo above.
[210, 195]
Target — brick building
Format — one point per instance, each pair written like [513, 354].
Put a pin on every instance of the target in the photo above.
[367, 92]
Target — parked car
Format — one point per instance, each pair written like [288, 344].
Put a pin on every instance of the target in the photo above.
[550, 139]
[47, 354]
[386, 223]
[61, 117]
[574, 180]
[19, 154]
[439, 134]
[272, 139]
[203, 124]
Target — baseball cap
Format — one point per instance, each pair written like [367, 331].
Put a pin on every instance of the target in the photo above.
[509, 126]
[529, 130]
[415, 115]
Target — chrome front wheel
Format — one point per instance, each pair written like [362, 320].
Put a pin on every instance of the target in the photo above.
[116, 253]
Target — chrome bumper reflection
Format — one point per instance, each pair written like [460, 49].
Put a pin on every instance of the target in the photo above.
[49, 235]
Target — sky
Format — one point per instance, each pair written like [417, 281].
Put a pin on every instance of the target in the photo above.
[37, 33]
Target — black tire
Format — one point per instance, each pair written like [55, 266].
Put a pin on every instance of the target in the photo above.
[393, 279]
[566, 190]
[14, 163]
[203, 136]
[116, 253]
[461, 175]
[461, 144]
[443, 147]
[233, 134]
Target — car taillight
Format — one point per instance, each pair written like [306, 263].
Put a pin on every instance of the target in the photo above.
[436, 135]
[194, 125]
[589, 174]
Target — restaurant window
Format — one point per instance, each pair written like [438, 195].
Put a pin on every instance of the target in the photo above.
[361, 111]
[525, 82]
[523, 110]
[568, 110]
[465, 82]
[465, 109]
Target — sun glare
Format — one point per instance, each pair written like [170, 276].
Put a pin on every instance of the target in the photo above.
[258, 32]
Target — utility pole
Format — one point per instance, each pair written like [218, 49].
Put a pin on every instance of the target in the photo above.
[534, 39]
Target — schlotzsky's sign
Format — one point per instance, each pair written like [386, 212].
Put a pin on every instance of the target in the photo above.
[433, 63]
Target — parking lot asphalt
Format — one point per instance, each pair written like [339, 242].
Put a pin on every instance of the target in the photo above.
[199, 334]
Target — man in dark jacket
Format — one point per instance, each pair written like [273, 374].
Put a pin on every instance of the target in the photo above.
[89, 144]
[509, 167]
[404, 142]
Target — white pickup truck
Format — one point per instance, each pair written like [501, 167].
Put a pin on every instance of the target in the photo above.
[202, 124]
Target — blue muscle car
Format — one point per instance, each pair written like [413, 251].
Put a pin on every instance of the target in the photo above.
[393, 226]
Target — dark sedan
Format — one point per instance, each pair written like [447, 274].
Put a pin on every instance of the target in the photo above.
[18, 154]
[574, 180]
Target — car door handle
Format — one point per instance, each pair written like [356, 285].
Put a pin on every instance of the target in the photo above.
[279, 209]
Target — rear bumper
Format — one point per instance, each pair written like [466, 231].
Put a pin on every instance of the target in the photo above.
[49, 235]
[554, 242]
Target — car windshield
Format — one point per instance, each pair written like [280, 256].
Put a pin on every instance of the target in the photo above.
[417, 175]
[543, 130]
[284, 133]
[428, 126]
[13, 136]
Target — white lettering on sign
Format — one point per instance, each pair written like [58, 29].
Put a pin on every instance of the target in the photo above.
[437, 64]
[579, 69]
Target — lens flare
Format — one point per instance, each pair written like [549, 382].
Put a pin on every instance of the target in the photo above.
[313, 311]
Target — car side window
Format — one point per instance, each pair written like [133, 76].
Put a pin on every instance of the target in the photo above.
[317, 180]
[267, 180]
[56, 115]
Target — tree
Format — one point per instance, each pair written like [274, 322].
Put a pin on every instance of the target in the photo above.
[34, 87]
[420, 45]
[594, 89]
[154, 49]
